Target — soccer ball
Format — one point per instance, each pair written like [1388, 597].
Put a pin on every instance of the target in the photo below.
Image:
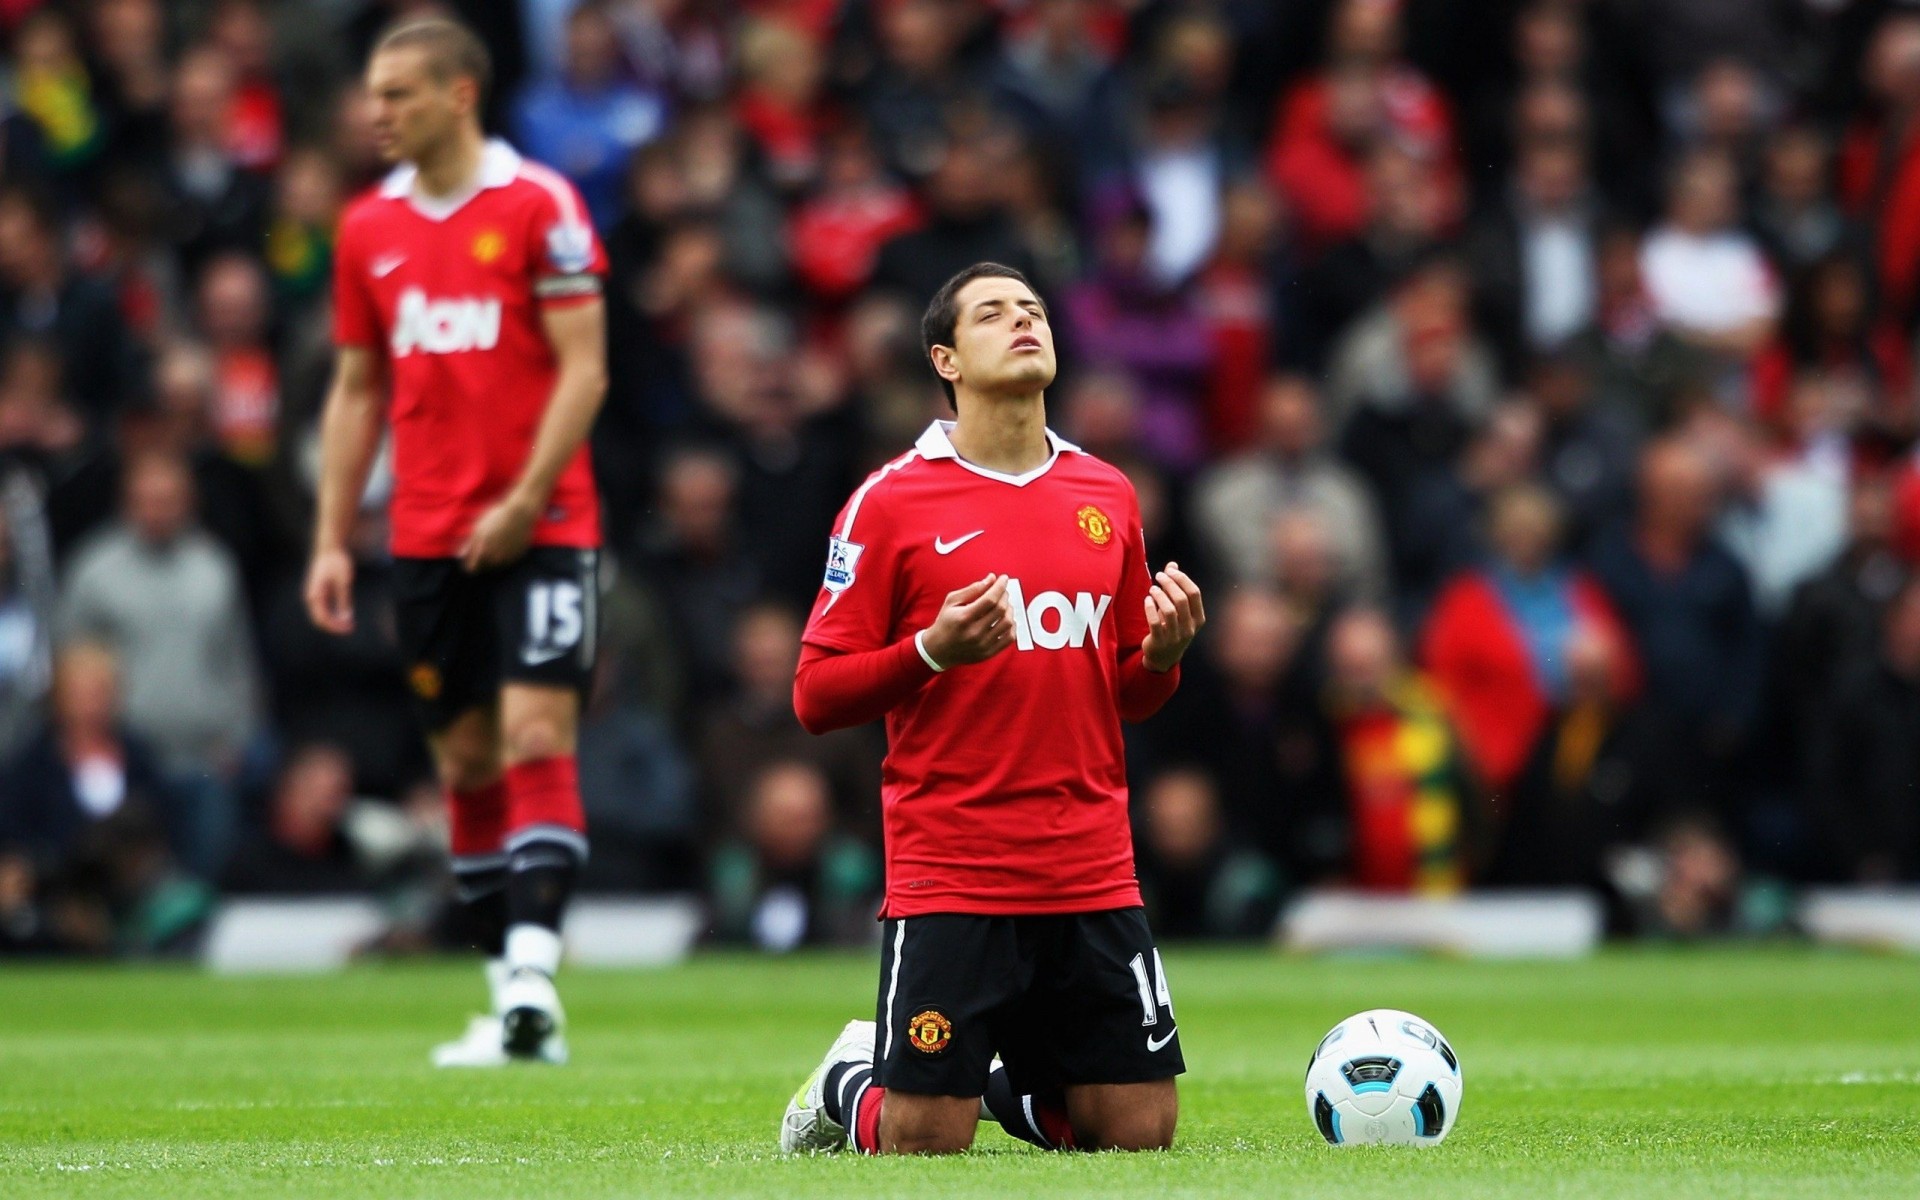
[1384, 1077]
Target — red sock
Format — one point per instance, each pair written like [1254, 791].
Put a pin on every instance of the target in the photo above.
[866, 1121]
[1054, 1125]
[477, 821]
[545, 791]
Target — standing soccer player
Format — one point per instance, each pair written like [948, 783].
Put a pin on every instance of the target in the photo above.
[988, 593]
[468, 315]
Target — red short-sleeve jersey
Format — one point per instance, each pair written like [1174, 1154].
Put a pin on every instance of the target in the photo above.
[1004, 788]
[450, 294]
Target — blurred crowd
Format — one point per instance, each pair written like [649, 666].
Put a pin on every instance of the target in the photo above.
[1529, 382]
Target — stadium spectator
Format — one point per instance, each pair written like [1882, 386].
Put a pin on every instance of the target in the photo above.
[1197, 882]
[692, 557]
[1248, 718]
[1640, 367]
[1880, 161]
[1785, 517]
[191, 682]
[781, 103]
[1122, 318]
[1059, 82]
[1585, 789]
[1689, 606]
[300, 843]
[1832, 628]
[1413, 814]
[1535, 252]
[587, 120]
[88, 815]
[836, 233]
[1327, 124]
[756, 727]
[233, 306]
[1236, 499]
[42, 296]
[1831, 339]
[1498, 644]
[636, 782]
[1706, 276]
[785, 879]
[1587, 449]
[1403, 231]
[26, 591]
[1797, 215]
[1865, 756]
[967, 220]
[213, 201]
[1245, 293]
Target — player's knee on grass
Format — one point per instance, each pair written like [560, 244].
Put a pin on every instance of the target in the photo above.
[466, 753]
[1124, 1116]
[911, 1124]
[538, 722]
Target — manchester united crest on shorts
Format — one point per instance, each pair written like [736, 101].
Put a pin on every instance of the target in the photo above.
[1095, 525]
[424, 679]
[930, 1032]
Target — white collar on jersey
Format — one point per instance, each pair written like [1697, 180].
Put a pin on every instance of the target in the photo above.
[499, 166]
[936, 442]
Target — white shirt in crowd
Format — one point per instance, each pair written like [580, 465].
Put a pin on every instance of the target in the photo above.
[1714, 283]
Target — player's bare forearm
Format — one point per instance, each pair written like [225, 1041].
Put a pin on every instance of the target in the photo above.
[578, 335]
[349, 438]
[350, 427]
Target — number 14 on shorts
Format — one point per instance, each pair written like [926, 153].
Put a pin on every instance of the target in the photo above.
[1154, 995]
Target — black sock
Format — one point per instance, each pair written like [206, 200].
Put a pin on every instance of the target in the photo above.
[843, 1083]
[1013, 1111]
[483, 895]
[540, 877]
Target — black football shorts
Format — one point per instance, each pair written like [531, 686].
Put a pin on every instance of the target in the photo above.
[534, 620]
[1067, 999]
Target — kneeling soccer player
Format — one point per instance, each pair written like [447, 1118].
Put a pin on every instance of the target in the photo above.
[988, 593]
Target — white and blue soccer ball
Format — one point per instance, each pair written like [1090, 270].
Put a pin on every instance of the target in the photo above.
[1385, 1078]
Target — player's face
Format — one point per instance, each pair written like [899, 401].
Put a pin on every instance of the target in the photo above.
[1002, 343]
[412, 110]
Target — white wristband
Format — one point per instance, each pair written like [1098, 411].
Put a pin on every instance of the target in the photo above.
[920, 644]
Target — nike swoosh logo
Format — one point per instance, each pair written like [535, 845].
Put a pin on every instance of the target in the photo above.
[940, 547]
[388, 266]
[534, 658]
[1154, 1044]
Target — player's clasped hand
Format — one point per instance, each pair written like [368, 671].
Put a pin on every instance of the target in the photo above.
[1174, 617]
[501, 535]
[974, 624]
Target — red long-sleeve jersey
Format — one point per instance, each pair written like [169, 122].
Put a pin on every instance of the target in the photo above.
[1004, 789]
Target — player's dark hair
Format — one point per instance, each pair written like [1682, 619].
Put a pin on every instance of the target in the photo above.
[943, 312]
[453, 51]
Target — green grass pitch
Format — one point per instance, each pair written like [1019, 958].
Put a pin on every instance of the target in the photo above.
[1648, 1073]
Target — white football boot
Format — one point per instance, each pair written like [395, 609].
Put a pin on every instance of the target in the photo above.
[806, 1128]
[532, 1023]
[483, 1045]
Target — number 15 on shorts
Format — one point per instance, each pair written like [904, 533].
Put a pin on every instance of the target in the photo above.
[555, 621]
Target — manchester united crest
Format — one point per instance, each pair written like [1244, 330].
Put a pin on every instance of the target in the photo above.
[489, 246]
[1095, 525]
[930, 1032]
[424, 678]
